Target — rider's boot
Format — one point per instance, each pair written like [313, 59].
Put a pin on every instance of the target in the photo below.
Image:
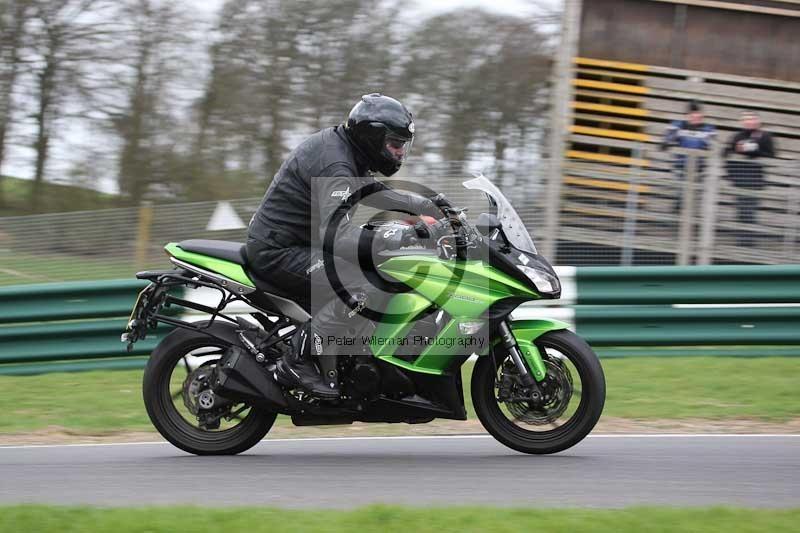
[297, 369]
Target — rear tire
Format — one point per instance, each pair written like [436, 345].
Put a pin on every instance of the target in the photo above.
[170, 423]
[579, 424]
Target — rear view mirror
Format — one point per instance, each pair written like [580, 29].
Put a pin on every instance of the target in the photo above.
[487, 223]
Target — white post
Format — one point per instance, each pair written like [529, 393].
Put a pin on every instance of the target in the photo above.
[686, 230]
[710, 203]
[631, 210]
[792, 211]
[560, 121]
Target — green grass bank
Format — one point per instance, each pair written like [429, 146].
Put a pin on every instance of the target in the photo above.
[648, 388]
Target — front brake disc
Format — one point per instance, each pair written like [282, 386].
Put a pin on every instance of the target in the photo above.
[558, 392]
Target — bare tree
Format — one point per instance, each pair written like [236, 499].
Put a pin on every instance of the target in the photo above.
[478, 78]
[277, 70]
[67, 37]
[281, 70]
[13, 21]
[513, 101]
[157, 43]
[242, 118]
[347, 50]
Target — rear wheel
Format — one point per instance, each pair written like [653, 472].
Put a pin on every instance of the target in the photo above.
[573, 396]
[181, 404]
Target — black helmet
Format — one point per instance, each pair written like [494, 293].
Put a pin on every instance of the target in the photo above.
[383, 130]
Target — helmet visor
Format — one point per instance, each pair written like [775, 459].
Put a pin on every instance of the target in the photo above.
[396, 148]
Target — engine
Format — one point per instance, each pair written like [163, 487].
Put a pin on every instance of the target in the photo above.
[366, 377]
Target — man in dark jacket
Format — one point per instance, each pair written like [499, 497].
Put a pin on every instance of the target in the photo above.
[750, 143]
[304, 223]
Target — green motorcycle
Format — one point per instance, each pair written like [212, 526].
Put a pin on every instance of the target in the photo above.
[209, 386]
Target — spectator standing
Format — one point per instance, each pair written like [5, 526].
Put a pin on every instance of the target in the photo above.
[693, 133]
[750, 143]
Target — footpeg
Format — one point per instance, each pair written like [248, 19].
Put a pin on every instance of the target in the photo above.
[306, 378]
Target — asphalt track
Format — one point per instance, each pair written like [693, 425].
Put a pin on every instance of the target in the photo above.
[602, 471]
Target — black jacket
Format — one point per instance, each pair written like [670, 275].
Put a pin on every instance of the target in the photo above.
[761, 141]
[322, 173]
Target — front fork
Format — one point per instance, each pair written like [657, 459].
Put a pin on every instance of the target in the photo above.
[531, 358]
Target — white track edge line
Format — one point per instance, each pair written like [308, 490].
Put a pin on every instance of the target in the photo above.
[424, 437]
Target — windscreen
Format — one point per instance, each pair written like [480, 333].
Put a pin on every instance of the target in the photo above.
[513, 227]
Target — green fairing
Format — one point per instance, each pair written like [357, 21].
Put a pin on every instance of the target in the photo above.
[436, 358]
[402, 310]
[450, 344]
[462, 289]
[220, 266]
[439, 356]
[390, 335]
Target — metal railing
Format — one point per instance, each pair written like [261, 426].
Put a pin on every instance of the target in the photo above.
[682, 207]
[57, 327]
[658, 208]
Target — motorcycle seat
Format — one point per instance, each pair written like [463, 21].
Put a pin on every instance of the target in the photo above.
[236, 252]
[227, 250]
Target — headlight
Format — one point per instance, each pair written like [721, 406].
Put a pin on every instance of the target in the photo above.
[546, 283]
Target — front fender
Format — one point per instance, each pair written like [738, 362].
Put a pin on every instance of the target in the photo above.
[526, 332]
[534, 328]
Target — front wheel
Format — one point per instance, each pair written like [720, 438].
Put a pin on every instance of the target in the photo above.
[573, 394]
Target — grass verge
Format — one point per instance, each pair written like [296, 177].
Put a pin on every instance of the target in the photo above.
[389, 519]
[648, 388]
[19, 268]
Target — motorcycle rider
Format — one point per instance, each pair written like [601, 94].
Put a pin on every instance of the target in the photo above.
[315, 192]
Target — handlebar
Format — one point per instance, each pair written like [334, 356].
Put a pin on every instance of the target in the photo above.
[462, 237]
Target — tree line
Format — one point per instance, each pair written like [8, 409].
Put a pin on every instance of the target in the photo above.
[173, 106]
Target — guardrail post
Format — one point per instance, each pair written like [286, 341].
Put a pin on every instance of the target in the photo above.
[143, 233]
[687, 210]
[708, 226]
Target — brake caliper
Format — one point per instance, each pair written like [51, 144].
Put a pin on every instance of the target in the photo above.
[508, 382]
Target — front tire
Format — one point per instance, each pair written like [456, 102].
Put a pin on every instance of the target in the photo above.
[160, 400]
[537, 439]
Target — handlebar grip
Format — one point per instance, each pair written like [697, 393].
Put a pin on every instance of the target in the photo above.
[441, 200]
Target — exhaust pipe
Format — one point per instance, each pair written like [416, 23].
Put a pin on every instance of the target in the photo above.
[240, 377]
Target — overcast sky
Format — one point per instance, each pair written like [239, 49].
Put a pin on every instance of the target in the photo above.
[434, 6]
[72, 138]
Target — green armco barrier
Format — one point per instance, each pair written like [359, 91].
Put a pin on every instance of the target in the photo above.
[670, 326]
[29, 369]
[621, 311]
[610, 352]
[68, 301]
[632, 311]
[689, 284]
[75, 340]
[62, 327]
